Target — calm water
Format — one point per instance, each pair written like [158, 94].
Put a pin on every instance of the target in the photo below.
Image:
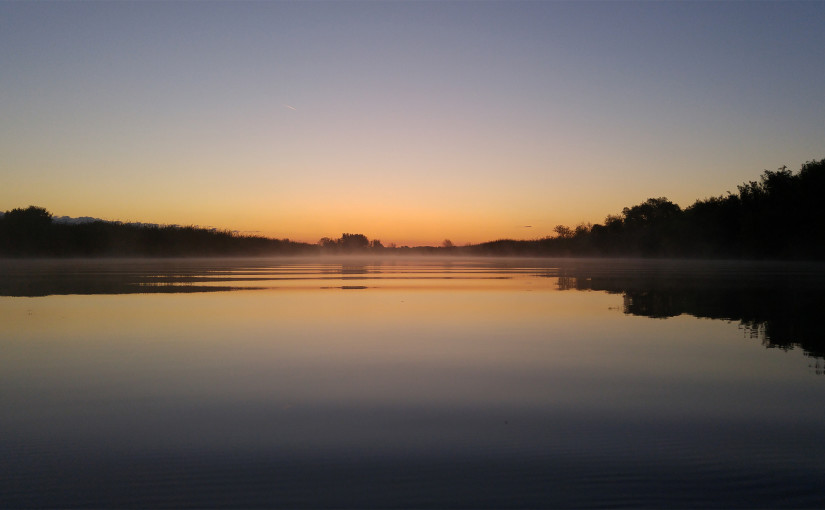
[411, 383]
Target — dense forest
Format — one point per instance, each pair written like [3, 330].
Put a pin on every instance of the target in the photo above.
[32, 232]
[780, 216]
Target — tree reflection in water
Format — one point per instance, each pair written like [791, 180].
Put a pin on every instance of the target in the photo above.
[780, 308]
[779, 303]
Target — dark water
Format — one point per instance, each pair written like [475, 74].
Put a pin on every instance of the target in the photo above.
[411, 383]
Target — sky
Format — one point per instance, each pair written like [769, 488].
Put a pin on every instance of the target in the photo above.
[409, 122]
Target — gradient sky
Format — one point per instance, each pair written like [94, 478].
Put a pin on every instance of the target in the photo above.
[408, 122]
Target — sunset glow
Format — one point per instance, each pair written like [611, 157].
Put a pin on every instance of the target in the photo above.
[409, 122]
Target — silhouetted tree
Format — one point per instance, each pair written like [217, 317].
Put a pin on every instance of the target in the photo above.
[31, 232]
[782, 215]
[563, 231]
[26, 231]
[651, 226]
[353, 242]
[328, 245]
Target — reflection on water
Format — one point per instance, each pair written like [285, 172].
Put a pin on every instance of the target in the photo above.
[409, 383]
[146, 276]
[777, 303]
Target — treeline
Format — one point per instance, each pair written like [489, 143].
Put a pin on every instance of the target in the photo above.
[31, 232]
[781, 216]
[349, 243]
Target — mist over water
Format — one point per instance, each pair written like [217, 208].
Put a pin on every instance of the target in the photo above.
[410, 382]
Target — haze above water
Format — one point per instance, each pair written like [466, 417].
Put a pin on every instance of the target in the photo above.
[411, 383]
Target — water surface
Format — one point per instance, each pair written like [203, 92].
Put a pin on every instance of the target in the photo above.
[410, 383]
